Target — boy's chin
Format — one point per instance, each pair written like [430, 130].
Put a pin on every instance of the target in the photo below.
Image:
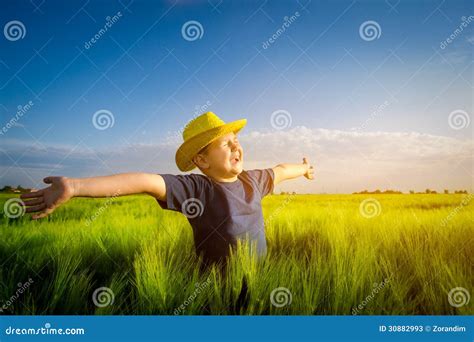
[237, 169]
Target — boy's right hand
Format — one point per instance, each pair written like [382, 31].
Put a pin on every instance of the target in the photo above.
[46, 200]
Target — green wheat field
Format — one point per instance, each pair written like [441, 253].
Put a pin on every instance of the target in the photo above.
[327, 255]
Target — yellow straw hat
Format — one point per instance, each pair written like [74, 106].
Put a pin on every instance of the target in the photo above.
[199, 133]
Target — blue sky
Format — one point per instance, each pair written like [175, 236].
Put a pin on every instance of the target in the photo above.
[320, 71]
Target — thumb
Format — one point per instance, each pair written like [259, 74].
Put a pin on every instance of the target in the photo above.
[48, 180]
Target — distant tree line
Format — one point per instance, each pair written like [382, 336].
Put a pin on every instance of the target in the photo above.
[11, 190]
[379, 192]
[19, 189]
[427, 191]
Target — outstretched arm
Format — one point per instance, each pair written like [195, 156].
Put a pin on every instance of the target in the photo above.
[62, 189]
[289, 171]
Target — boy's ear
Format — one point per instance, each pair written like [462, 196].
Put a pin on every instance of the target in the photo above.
[200, 161]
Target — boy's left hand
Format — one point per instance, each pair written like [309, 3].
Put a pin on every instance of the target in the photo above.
[310, 169]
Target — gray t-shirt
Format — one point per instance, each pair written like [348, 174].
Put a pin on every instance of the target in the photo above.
[221, 213]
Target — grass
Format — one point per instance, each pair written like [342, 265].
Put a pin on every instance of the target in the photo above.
[330, 257]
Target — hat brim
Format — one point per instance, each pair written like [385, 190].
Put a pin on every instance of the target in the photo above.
[187, 151]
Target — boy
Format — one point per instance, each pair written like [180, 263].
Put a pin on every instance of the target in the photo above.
[223, 205]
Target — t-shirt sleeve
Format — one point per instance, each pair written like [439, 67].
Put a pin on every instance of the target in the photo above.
[181, 189]
[263, 179]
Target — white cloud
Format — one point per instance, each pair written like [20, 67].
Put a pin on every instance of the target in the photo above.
[344, 161]
[352, 161]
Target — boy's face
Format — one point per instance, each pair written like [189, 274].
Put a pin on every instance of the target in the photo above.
[223, 158]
